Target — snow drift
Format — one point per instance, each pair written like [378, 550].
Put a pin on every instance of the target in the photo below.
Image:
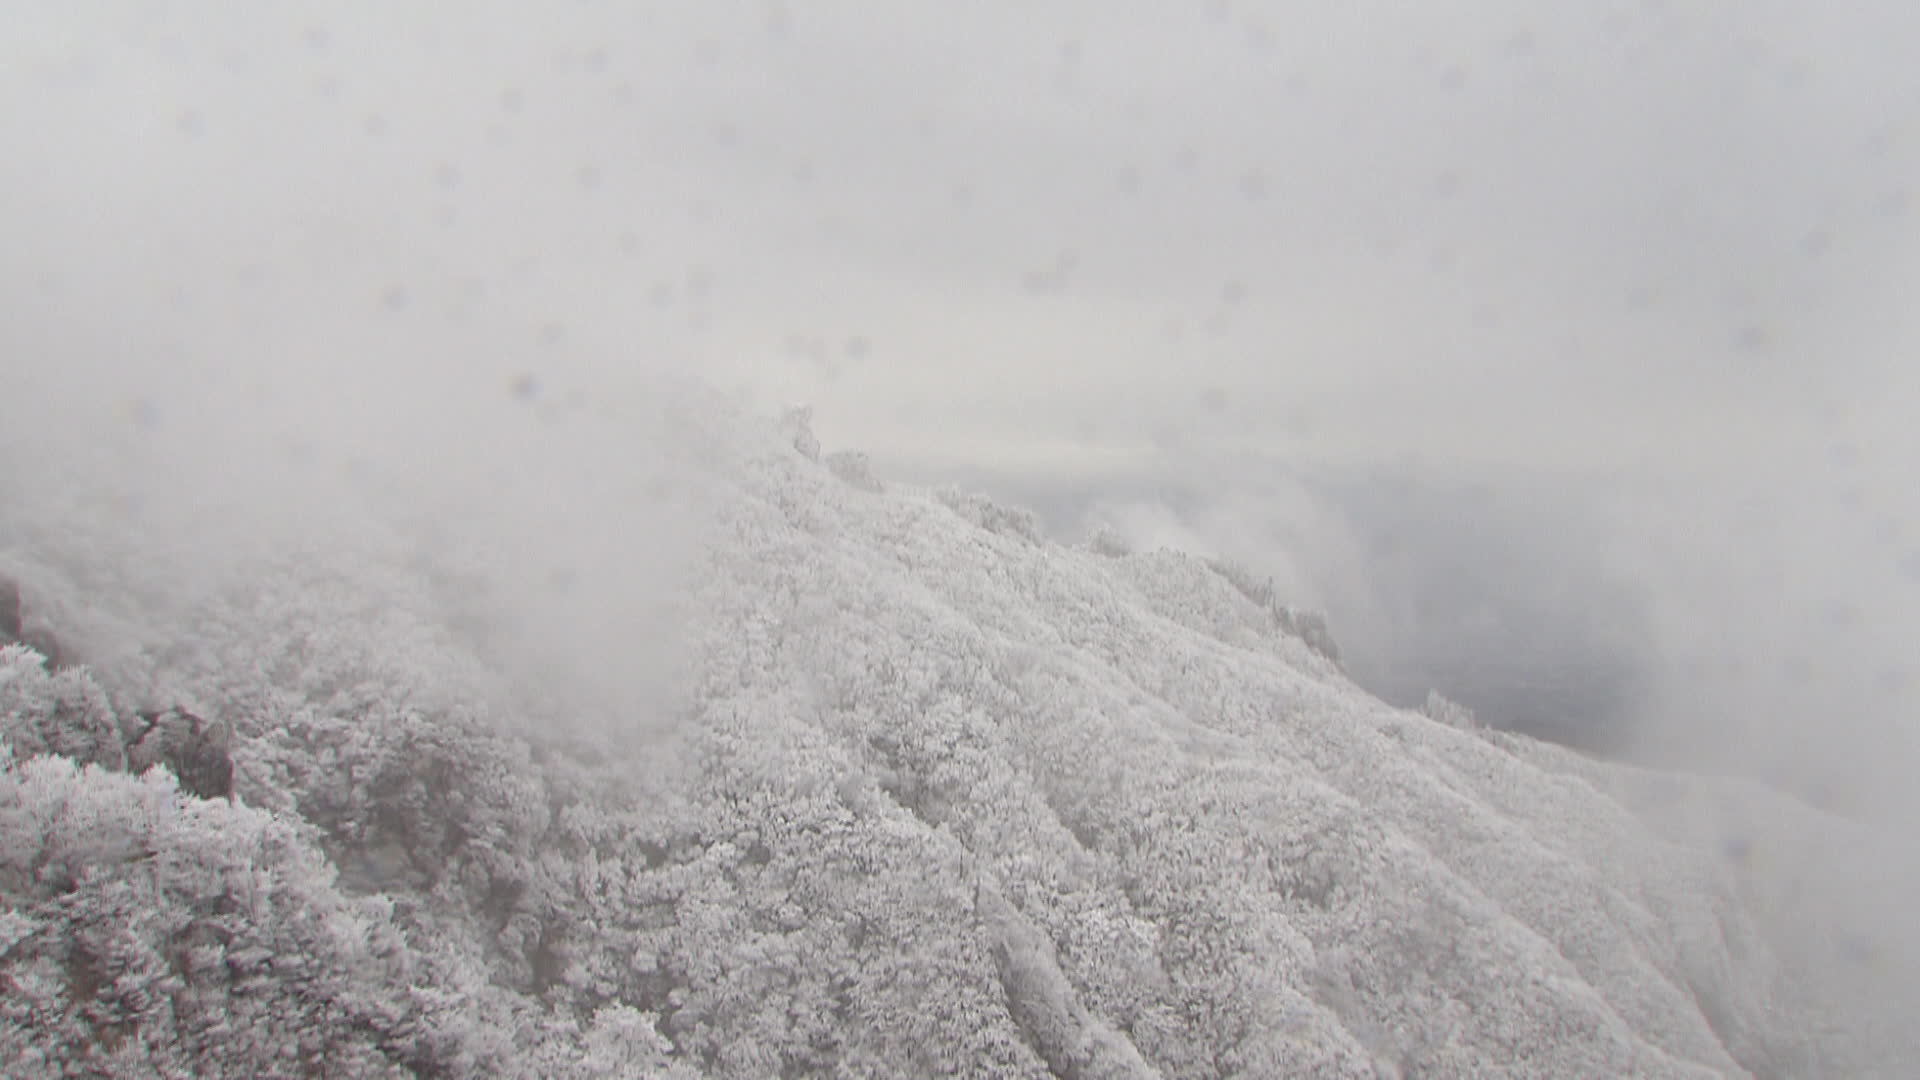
[927, 794]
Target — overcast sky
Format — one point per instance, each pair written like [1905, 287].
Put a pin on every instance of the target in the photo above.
[1647, 268]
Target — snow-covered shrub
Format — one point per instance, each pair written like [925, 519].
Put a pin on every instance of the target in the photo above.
[1253, 587]
[431, 808]
[1075, 1044]
[1308, 626]
[63, 713]
[150, 934]
[796, 425]
[1450, 713]
[855, 469]
[983, 512]
[1107, 541]
[622, 1042]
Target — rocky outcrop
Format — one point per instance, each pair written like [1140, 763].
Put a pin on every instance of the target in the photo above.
[193, 749]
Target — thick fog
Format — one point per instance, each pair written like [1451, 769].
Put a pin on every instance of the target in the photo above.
[1563, 357]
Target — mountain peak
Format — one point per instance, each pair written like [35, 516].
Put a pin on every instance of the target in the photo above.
[929, 793]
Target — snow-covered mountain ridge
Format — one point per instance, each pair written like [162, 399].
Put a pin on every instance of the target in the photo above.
[943, 797]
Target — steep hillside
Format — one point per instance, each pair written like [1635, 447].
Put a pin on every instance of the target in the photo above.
[924, 794]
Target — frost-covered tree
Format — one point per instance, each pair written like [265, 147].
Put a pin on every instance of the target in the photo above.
[941, 797]
[1451, 713]
[65, 713]
[148, 933]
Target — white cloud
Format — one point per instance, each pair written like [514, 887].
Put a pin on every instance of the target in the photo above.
[1659, 246]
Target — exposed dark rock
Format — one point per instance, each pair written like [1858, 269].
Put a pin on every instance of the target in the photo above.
[195, 750]
[205, 764]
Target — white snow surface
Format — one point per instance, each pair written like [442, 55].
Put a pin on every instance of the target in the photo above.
[1200, 815]
[943, 796]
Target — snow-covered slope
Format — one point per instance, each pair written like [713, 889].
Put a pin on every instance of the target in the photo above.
[942, 798]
